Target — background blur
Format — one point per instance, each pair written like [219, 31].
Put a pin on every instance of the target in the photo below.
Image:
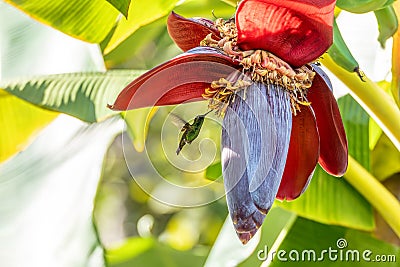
[81, 185]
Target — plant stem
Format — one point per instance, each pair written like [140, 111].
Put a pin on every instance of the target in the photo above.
[373, 99]
[378, 195]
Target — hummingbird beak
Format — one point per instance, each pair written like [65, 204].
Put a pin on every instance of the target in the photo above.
[205, 114]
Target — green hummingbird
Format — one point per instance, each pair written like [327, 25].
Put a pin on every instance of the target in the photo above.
[190, 131]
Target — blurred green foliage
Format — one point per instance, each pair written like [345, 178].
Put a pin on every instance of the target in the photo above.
[137, 221]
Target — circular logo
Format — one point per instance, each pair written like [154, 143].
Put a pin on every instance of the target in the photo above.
[341, 243]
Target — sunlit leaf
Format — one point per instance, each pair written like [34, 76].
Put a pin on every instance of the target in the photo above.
[306, 241]
[143, 49]
[385, 159]
[228, 250]
[19, 122]
[207, 9]
[29, 48]
[231, 2]
[47, 194]
[151, 44]
[138, 121]
[214, 171]
[375, 132]
[83, 95]
[382, 230]
[88, 20]
[140, 13]
[356, 124]
[327, 198]
[322, 203]
[149, 252]
[121, 5]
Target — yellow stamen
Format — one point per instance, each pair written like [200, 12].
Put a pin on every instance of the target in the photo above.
[222, 93]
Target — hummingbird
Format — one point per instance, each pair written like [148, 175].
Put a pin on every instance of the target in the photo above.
[190, 131]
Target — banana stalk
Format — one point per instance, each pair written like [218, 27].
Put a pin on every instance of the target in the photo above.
[373, 99]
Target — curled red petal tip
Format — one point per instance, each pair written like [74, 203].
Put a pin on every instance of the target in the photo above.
[333, 142]
[188, 33]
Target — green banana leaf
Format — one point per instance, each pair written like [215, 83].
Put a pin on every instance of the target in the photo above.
[22, 54]
[214, 171]
[356, 124]
[140, 13]
[151, 44]
[385, 159]
[83, 95]
[149, 252]
[139, 50]
[229, 251]
[47, 194]
[121, 5]
[29, 48]
[231, 2]
[206, 9]
[138, 122]
[20, 122]
[88, 20]
[321, 201]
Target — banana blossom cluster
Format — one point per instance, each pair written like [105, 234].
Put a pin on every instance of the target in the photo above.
[280, 118]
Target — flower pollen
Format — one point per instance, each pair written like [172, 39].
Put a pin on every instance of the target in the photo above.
[222, 93]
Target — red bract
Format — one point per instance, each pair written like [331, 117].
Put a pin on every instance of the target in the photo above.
[302, 157]
[299, 31]
[181, 79]
[296, 31]
[182, 29]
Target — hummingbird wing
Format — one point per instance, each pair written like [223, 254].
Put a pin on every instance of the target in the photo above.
[177, 120]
